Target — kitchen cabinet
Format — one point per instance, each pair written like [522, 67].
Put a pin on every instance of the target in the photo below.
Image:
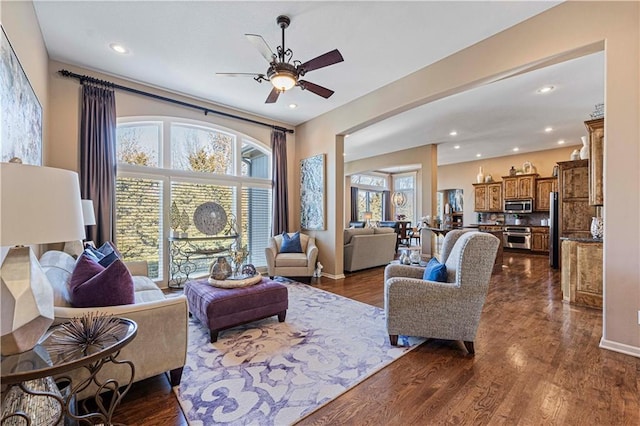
[582, 272]
[487, 197]
[574, 211]
[540, 239]
[596, 160]
[544, 186]
[519, 187]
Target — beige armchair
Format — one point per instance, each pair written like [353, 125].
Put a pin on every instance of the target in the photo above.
[450, 310]
[292, 264]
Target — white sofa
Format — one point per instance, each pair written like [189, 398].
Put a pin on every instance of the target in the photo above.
[161, 341]
[368, 247]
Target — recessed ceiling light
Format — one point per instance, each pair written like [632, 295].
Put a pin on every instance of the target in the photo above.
[453, 133]
[456, 147]
[546, 89]
[292, 106]
[561, 141]
[346, 136]
[118, 48]
[548, 129]
[516, 149]
[478, 155]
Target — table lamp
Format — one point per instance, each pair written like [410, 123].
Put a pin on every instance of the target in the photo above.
[367, 217]
[76, 247]
[88, 214]
[38, 205]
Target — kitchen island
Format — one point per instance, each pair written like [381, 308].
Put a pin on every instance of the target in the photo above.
[440, 233]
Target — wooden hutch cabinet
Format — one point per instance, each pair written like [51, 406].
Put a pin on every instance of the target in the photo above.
[487, 197]
[544, 186]
[574, 212]
[596, 160]
[519, 187]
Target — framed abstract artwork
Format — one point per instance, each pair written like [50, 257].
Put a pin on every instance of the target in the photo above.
[312, 197]
[21, 112]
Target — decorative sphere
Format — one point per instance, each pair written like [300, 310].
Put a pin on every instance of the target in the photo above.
[249, 269]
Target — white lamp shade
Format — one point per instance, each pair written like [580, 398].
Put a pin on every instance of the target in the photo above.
[39, 205]
[88, 214]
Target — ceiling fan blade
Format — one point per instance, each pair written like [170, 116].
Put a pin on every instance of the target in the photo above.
[262, 46]
[273, 96]
[239, 74]
[318, 90]
[322, 61]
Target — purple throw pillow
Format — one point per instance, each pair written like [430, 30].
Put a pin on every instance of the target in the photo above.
[93, 285]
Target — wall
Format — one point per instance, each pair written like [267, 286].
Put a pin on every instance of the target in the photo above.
[463, 175]
[65, 126]
[20, 24]
[569, 30]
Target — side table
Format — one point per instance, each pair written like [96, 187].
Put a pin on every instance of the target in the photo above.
[52, 358]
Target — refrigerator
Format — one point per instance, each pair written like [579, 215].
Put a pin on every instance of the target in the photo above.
[554, 235]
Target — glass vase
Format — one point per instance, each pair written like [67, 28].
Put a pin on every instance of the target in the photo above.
[597, 227]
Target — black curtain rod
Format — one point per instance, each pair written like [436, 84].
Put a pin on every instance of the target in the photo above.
[83, 78]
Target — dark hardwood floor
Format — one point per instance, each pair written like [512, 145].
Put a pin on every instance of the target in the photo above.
[537, 362]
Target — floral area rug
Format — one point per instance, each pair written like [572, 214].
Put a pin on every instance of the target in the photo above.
[271, 373]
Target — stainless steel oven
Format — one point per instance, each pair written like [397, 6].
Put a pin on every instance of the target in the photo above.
[517, 237]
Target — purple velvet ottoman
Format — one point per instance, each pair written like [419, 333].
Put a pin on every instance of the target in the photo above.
[222, 308]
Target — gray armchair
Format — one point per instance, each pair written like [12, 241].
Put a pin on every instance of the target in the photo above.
[450, 310]
[292, 264]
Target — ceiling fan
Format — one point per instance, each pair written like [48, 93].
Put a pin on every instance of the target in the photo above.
[283, 73]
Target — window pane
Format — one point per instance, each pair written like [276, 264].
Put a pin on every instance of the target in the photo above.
[363, 204]
[255, 162]
[256, 223]
[375, 205]
[408, 208]
[201, 150]
[370, 201]
[138, 144]
[139, 221]
[188, 196]
[405, 182]
[369, 180]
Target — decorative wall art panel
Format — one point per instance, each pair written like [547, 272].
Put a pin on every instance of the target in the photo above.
[312, 184]
[21, 112]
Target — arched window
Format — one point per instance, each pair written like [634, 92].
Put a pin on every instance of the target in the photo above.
[168, 164]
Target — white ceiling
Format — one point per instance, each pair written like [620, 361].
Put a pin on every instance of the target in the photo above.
[494, 119]
[180, 45]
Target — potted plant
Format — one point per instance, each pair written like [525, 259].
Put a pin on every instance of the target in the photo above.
[518, 221]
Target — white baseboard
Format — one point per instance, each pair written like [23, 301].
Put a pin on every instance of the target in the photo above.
[333, 277]
[620, 347]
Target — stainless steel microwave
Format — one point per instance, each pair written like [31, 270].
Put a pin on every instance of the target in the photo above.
[518, 206]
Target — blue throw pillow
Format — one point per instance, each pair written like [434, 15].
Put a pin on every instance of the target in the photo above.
[435, 271]
[105, 255]
[291, 244]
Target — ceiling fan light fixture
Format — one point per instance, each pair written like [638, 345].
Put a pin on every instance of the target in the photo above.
[283, 80]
